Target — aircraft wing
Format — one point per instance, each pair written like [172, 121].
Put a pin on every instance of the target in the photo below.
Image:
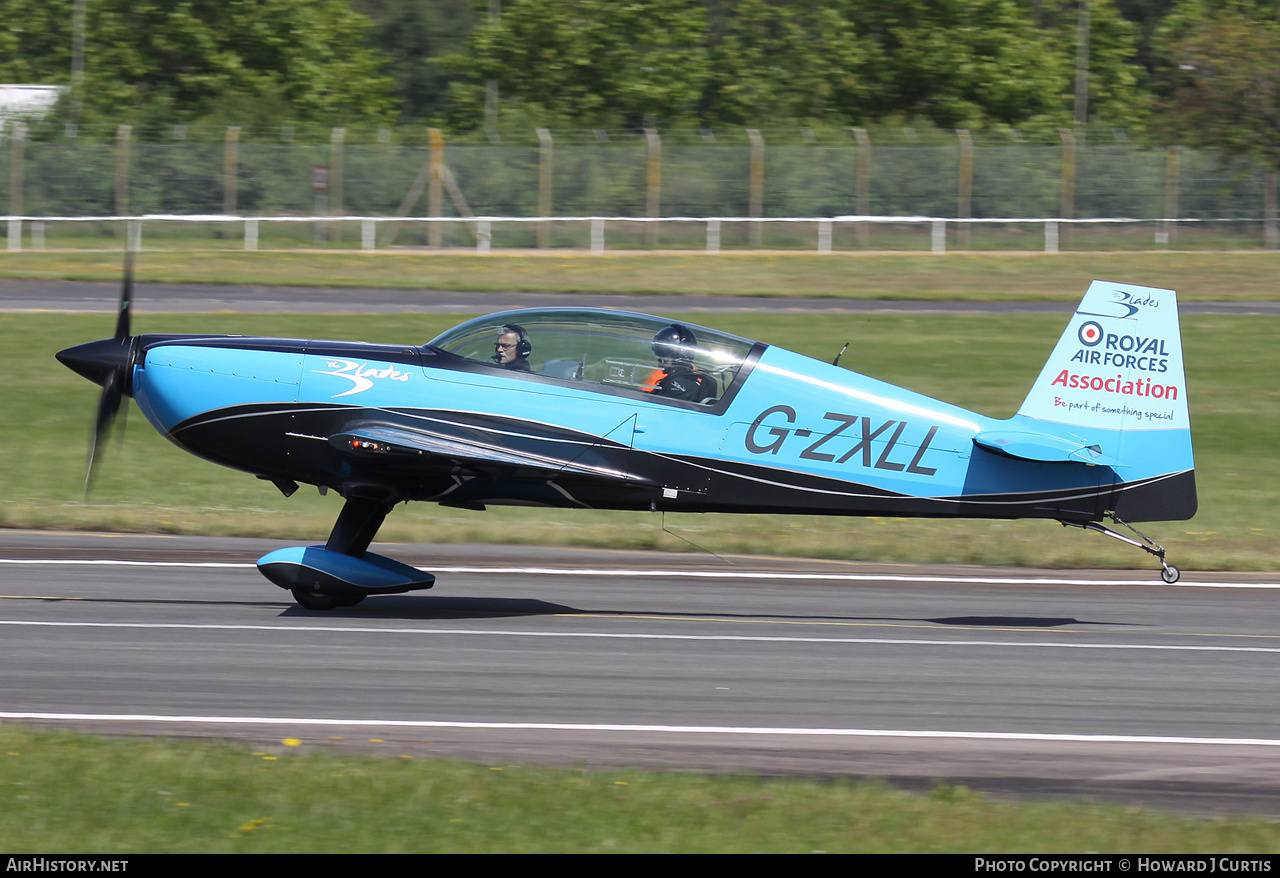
[397, 445]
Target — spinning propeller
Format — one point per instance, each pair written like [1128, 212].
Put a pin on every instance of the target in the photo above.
[108, 362]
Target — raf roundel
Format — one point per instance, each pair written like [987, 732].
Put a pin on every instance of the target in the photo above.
[1090, 333]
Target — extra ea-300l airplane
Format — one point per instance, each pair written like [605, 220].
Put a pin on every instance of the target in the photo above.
[604, 409]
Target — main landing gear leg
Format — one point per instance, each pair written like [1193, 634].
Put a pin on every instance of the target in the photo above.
[343, 571]
[354, 530]
[1168, 572]
[356, 526]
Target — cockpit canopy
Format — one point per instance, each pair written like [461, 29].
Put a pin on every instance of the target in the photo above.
[614, 348]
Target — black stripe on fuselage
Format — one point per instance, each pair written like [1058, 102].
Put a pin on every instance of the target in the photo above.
[390, 353]
[291, 441]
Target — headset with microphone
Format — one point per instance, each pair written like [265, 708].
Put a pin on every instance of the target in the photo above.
[523, 346]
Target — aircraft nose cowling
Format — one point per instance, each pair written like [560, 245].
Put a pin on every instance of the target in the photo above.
[101, 360]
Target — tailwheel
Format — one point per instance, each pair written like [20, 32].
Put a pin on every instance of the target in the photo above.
[1168, 572]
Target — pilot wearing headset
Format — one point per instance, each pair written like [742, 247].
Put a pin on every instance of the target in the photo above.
[512, 348]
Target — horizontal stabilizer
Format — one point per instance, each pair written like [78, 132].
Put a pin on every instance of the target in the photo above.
[1043, 448]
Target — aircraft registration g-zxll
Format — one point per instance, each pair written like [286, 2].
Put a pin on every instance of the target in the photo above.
[604, 409]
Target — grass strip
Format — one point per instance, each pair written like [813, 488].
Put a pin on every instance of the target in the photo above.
[956, 276]
[76, 793]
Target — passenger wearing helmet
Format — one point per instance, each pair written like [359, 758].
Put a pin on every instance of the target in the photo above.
[512, 348]
[674, 346]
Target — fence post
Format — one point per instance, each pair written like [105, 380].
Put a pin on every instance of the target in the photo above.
[755, 207]
[337, 141]
[251, 233]
[597, 235]
[1270, 224]
[939, 236]
[17, 151]
[123, 134]
[1067, 198]
[964, 192]
[544, 186]
[411, 197]
[863, 184]
[713, 236]
[653, 185]
[1171, 168]
[230, 169]
[435, 185]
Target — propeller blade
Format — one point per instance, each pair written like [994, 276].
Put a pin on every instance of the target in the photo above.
[107, 363]
[126, 297]
[108, 407]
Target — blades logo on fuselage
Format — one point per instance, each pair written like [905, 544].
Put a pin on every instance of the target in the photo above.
[360, 375]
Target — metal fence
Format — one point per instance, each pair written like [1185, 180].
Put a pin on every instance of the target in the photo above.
[763, 190]
[600, 234]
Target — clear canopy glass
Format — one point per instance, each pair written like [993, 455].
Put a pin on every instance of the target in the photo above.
[614, 348]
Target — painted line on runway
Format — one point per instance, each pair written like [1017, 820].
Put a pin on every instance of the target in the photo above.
[618, 727]
[603, 635]
[690, 574]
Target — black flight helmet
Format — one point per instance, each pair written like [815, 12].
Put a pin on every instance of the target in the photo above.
[675, 343]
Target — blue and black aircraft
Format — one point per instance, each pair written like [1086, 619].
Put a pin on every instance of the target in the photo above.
[604, 409]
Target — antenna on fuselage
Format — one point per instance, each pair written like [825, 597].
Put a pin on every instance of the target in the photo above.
[836, 361]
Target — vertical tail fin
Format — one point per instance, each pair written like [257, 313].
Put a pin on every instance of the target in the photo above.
[1116, 380]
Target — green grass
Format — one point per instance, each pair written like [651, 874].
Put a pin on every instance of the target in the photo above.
[74, 794]
[1198, 276]
[983, 362]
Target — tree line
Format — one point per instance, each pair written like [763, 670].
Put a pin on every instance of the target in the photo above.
[1201, 72]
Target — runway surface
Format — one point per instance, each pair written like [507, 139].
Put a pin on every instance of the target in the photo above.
[74, 296]
[1098, 684]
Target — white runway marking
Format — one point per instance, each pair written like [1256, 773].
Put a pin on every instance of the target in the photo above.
[691, 574]
[588, 635]
[614, 727]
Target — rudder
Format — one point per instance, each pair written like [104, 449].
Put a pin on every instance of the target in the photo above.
[1116, 378]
